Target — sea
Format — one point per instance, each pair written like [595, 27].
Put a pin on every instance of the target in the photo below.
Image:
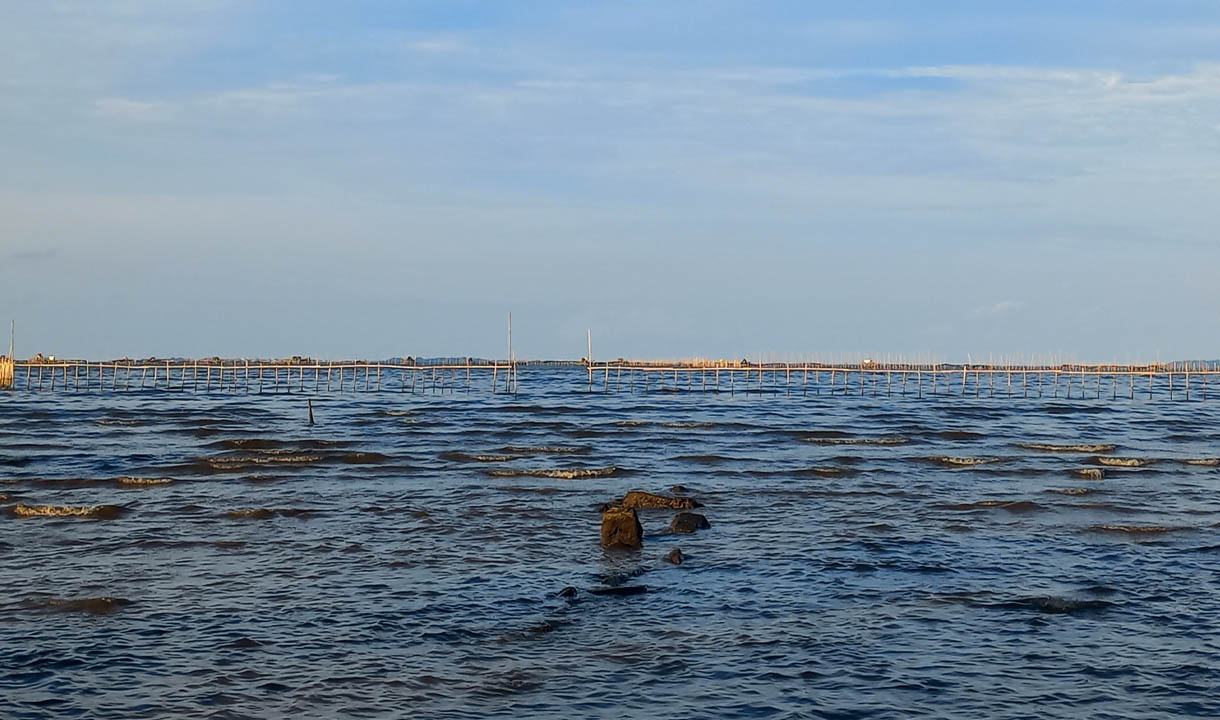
[437, 555]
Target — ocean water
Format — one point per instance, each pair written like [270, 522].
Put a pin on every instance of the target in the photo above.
[868, 557]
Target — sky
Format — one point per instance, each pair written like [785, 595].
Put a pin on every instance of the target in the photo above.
[719, 178]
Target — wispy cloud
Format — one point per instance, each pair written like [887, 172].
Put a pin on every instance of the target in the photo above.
[136, 110]
[1004, 307]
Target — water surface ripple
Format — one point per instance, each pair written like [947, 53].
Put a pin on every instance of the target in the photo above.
[169, 555]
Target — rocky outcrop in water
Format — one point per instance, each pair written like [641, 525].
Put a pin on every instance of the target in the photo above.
[645, 500]
[687, 523]
[621, 529]
[674, 556]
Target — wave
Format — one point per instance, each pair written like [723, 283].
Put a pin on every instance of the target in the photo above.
[960, 435]
[1053, 604]
[560, 473]
[118, 421]
[1016, 506]
[1133, 529]
[1082, 448]
[1208, 462]
[254, 443]
[267, 513]
[888, 440]
[688, 424]
[92, 606]
[362, 458]
[546, 449]
[964, 461]
[1089, 473]
[1123, 462]
[827, 471]
[1072, 491]
[703, 459]
[457, 456]
[143, 481]
[100, 512]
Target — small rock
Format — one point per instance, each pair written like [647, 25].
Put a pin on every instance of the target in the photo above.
[621, 528]
[687, 523]
[642, 500]
[675, 556]
[568, 592]
[678, 489]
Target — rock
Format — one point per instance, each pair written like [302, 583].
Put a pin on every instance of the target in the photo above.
[678, 489]
[675, 556]
[640, 499]
[568, 592]
[621, 528]
[686, 523]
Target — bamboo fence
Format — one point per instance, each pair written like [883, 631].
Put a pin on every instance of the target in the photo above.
[1186, 381]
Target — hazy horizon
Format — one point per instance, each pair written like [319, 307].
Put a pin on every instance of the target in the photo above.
[716, 179]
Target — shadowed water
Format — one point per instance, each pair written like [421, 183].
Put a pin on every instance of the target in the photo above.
[169, 555]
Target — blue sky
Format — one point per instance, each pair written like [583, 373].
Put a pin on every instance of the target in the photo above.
[685, 178]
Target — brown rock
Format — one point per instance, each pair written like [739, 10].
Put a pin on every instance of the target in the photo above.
[640, 499]
[675, 556]
[686, 523]
[621, 528]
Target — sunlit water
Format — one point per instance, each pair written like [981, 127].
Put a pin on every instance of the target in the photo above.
[373, 565]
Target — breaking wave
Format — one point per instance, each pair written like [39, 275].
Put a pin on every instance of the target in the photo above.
[560, 473]
[1123, 462]
[889, 440]
[1133, 529]
[1089, 473]
[1050, 447]
[100, 512]
[964, 461]
[143, 481]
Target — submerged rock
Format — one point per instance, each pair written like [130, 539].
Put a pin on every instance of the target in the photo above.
[687, 523]
[674, 556]
[621, 528]
[640, 499]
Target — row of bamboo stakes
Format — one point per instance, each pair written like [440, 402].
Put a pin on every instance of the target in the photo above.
[316, 378]
[862, 379]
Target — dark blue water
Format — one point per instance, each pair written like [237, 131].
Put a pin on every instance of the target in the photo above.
[374, 566]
